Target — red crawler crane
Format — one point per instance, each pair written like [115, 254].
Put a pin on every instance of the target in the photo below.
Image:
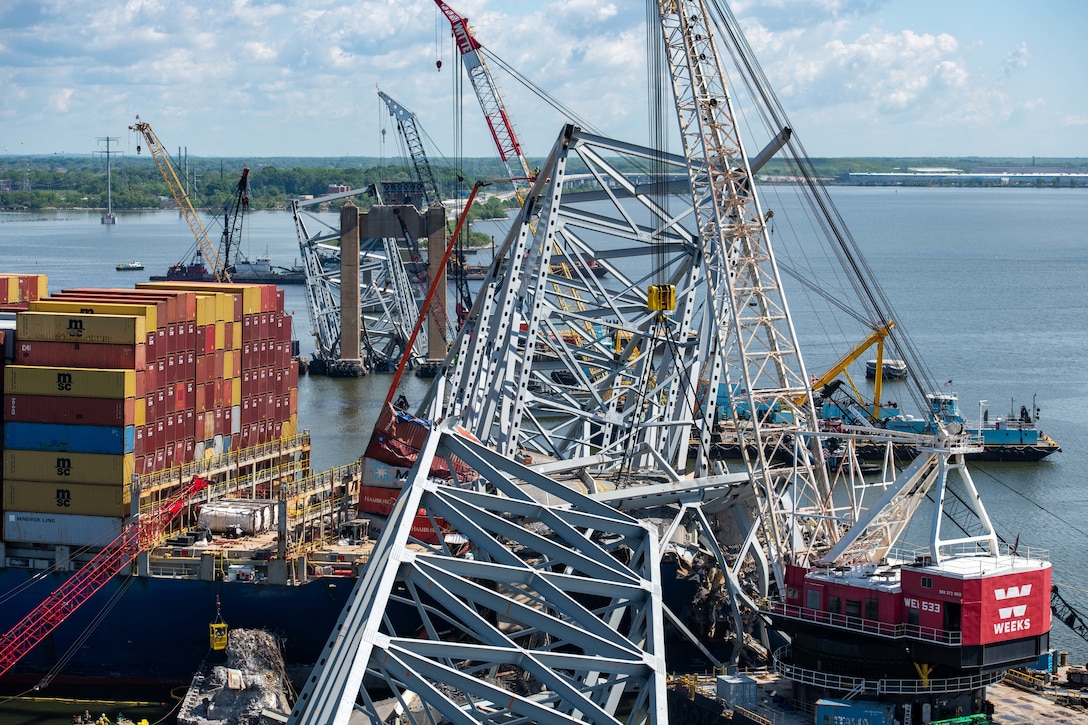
[502, 132]
[91, 577]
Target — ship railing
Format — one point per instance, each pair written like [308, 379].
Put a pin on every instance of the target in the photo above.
[231, 460]
[884, 686]
[922, 556]
[868, 626]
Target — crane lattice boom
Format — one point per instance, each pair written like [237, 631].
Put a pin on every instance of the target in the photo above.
[502, 132]
[162, 160]
[91, 577]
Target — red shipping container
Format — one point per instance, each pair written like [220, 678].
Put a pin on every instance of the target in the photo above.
[277, 431]
[80, 411]
[219, 422]
[228, 420]
[187, 361]
[190, 450]
[80, 355]
[159, 437]
[249, 328]
[375, 500]
[292, 406]
[160, 459]
[262, 432]
[292, 379]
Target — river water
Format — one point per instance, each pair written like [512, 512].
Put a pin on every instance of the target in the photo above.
[992, 285]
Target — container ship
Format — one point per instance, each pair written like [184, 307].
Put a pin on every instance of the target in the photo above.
[114, 399]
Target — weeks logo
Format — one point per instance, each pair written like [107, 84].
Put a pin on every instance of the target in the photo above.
[1012, 617]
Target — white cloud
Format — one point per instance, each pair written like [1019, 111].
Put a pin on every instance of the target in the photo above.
[273, 73]
[60, 100]
[1017, 59]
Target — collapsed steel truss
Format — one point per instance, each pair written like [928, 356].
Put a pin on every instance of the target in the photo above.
[386, 295]
[531, 612]
[561, 356]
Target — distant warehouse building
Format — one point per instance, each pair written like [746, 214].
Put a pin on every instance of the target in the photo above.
[977, 176]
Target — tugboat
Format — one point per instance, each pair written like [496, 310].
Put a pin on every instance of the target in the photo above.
[132, 266]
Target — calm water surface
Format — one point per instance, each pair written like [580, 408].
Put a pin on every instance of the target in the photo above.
[991, 284]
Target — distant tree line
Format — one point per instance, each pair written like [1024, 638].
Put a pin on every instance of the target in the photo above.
[67, 182]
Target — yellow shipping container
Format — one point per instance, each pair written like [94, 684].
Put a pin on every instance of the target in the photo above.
[220, 334]
[236, 391]
[236, 343]
[228, 364]
[84, 499]
[150, 313]
[12, 284]
[72, 382]
[290, 427]
[251, 294]
[56, 467]
[205, 310]
[72, 327]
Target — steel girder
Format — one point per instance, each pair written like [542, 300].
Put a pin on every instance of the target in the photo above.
[531, 612]
[561, 355]
[386, 295]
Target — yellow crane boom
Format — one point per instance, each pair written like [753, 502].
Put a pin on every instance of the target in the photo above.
[876, 338]
[162, 160]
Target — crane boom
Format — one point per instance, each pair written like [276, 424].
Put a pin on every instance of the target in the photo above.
[88, 579]
[162, 160]
[502, 132]
[232, 222]
[409, 128]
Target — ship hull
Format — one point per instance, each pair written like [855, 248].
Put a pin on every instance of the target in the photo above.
[284, 278]
[157, 632]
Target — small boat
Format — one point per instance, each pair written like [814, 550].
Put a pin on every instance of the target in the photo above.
[130, 266]
[892, 369]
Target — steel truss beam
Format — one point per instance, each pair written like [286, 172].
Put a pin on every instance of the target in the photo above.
[531, 612]
[386, 298]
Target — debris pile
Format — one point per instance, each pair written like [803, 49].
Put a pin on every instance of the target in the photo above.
[252, 683]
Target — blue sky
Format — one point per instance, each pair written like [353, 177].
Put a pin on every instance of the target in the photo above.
[256, 78]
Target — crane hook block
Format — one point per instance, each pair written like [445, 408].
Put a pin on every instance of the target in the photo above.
[438, 64]
[661, 297]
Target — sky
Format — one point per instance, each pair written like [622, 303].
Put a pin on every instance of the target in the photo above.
[265, 78]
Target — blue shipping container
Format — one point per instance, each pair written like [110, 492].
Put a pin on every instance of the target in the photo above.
[70, 438]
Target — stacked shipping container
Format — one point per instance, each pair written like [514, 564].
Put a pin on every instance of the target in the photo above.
[111, 383]
[17, 290]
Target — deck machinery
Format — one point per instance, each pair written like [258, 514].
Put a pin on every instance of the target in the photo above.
[615, 398]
